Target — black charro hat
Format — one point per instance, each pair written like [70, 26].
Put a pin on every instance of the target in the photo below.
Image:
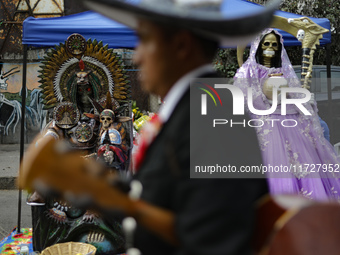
[203, 17]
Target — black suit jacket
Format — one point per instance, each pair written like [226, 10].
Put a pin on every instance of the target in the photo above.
[213, 216]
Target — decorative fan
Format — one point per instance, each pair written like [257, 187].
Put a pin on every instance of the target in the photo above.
[59, 68]
[66, 115]
[76, 44]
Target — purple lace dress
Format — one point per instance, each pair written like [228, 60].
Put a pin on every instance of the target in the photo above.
[301, 160]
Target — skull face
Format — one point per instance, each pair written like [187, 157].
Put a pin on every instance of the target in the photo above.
[3, 81]
[270, 45]
[300, 35]
[106, 121]
[82, 78]
[106, 118]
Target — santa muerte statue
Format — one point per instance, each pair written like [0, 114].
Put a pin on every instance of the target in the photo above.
[301, 143]
[86, 91]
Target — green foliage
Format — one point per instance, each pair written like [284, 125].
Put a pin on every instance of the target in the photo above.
[136, 111]
[329, 9]
[225, 62]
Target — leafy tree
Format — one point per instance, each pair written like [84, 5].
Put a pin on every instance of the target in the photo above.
[226, 60]
[329, 9]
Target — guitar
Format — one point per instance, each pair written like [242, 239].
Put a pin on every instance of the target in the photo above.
[284, 224]
[50, 165]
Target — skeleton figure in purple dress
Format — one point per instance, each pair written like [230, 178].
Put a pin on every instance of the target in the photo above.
[298, 158]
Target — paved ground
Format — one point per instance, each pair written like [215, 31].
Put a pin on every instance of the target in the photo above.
[9, 211]
[9, 165]
[9, 194]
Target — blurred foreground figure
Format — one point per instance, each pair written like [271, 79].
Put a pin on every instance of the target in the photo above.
[175, 214]
[292, 143]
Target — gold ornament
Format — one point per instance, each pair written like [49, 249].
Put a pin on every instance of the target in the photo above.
[60, 67]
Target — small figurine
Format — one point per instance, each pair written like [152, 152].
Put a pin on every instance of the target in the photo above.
[112, 143]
